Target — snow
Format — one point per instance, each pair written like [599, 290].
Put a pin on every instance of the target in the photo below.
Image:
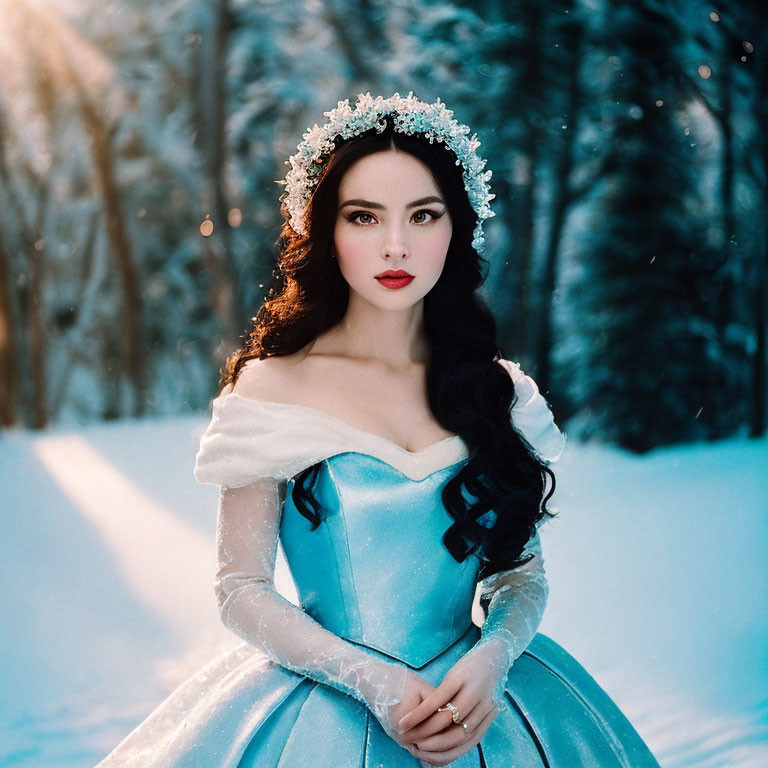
[656, 567]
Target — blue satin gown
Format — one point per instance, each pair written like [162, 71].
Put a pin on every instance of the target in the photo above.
[376, 573]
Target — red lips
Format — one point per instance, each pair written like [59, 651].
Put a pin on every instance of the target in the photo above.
[394, 273]
[394, 278]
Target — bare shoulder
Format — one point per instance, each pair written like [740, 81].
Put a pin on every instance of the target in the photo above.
[273, 379]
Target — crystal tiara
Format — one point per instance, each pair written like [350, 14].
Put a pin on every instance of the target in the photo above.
[410, 116]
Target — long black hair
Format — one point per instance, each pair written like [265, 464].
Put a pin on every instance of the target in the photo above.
[470, 394]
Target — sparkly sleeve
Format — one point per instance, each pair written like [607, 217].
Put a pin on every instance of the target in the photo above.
[513, 601]
[247, 536]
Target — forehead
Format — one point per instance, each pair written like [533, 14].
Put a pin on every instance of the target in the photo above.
[390, 172]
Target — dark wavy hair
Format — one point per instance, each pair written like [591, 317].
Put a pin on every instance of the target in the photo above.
[469, 393]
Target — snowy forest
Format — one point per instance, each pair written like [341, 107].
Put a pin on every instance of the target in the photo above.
[627, 260]
[627, 267]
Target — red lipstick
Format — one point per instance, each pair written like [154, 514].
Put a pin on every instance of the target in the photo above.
[394, 278]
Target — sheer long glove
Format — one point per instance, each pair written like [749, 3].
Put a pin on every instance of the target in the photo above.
[247, 536]
[514, 603]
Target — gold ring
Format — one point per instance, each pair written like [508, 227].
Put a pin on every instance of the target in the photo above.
[464, 726]
[454, 711]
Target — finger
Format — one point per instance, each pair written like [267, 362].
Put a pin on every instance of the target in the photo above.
[440, 721]
[444, 757]
[455, 737]
[438, 698]
[455, 734]
[477, 716]
[435, 723]
[447, 739]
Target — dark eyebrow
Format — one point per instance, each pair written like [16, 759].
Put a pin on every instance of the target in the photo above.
[414, 204]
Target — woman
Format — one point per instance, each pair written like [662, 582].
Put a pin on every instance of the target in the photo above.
[371, 425]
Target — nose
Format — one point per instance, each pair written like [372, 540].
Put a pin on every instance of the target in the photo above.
[394, 245]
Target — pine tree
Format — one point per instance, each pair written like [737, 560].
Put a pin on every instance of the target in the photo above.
[653, 370]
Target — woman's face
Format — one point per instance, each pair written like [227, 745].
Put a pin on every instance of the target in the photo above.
[391, 216]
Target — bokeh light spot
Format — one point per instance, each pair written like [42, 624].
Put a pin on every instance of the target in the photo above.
[234, 217]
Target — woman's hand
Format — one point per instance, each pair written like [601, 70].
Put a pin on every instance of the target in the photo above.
[416, 690]
[474, 685]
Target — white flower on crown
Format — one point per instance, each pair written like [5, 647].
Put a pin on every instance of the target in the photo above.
[410, 115]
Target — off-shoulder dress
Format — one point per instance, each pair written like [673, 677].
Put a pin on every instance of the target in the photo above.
[379, 593]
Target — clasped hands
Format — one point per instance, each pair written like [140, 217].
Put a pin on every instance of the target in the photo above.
[474, 685]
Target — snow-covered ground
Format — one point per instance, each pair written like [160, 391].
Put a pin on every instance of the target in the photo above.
[657, 567]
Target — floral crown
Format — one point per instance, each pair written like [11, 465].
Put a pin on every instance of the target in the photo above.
[410, 116]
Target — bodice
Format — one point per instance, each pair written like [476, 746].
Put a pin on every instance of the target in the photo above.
[376, 571]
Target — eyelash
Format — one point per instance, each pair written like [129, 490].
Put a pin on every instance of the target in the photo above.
[435, 216]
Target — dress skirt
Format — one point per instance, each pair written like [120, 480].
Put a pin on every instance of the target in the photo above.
[243, 710]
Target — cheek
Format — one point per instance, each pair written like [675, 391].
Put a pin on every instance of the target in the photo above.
[348, 243]
[435, 251]
[351, 257]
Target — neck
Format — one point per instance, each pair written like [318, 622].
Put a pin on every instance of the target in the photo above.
[394, 337]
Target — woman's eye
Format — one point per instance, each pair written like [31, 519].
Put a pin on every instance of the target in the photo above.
[355, 216]
[433, 214]
[359, 217]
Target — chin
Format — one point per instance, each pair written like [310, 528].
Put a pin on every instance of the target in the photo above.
[398, 300]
